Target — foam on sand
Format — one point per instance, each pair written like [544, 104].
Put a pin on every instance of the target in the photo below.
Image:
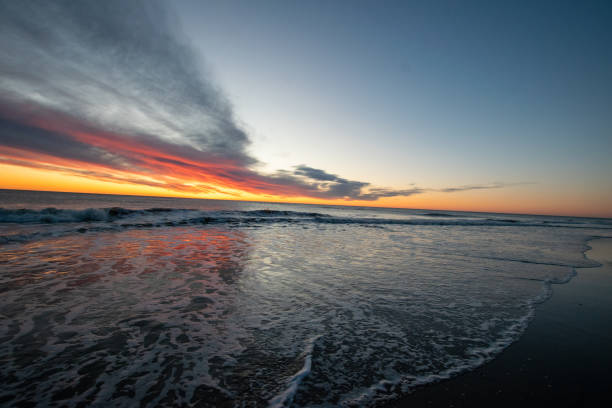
[285, 398]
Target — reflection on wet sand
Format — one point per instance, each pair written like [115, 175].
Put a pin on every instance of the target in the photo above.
[118, 316]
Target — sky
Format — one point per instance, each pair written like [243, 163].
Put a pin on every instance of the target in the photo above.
[460, 105]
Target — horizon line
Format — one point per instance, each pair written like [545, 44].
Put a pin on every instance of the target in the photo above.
[302, 203]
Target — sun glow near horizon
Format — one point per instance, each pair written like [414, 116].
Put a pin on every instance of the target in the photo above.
[24, 178]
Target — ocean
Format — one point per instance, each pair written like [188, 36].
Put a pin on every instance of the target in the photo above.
[120, 301]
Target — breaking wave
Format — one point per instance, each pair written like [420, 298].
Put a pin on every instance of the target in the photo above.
[28, 223]
[55, 215]
[169, 216]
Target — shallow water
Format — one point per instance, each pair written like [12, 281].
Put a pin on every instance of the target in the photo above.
[210, 303]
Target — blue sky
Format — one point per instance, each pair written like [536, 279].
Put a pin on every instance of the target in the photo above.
[412, 91]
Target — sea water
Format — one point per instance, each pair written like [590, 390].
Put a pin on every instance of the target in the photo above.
[123, 300]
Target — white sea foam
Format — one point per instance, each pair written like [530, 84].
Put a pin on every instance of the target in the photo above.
[285, 398]
[169, 216]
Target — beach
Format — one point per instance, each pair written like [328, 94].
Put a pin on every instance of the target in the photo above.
[124, 300]
[563, 359]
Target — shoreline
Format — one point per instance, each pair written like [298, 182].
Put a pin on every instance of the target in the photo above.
[562, 358]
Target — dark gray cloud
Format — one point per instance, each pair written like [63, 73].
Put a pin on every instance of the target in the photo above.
[327, 185]
[315, 174]
[25, 137]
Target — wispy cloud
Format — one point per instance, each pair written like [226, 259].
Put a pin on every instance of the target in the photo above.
[111, 90]
[481, 187]
[116, 65]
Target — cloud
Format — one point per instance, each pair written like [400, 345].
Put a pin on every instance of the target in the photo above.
[315, 174]
[480, 187]
[112, 90]
[326, 185]
[117, 65]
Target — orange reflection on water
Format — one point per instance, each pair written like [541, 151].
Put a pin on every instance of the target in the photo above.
[180, 254]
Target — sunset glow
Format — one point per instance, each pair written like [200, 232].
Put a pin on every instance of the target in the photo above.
[142, 116]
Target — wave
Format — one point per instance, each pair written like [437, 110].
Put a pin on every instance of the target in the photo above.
[285, 398]
[387, 390]
[53, 215]
[113, 218]
[171, 216]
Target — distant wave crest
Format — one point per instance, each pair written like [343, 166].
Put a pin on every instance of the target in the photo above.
[170, 216]
[53, 215]
[70, 221]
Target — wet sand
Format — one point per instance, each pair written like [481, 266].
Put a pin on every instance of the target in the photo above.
[563, 358]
